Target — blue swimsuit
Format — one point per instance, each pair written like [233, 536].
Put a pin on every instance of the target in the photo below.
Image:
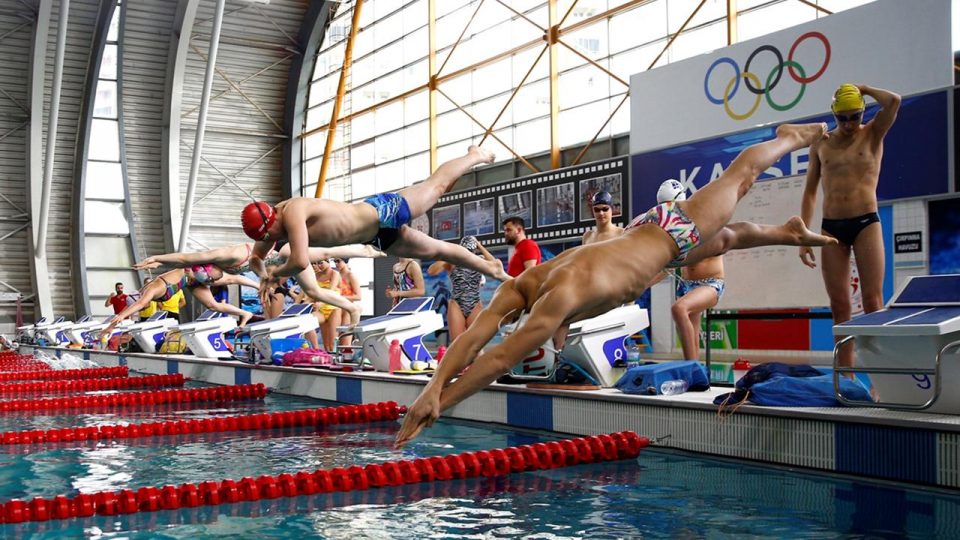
[394, 212]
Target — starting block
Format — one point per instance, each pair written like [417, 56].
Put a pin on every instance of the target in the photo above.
[32, 331]
[596, 345]
[149, 333]
[53, 333]
[27, 332]
[74, 332]
[204, 336]
[292, 323]
[90, 334]
[909, 348]
[407, 323]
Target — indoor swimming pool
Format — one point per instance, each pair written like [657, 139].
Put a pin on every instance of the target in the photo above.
[663, 494]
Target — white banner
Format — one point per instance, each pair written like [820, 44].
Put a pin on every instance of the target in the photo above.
[901, 46]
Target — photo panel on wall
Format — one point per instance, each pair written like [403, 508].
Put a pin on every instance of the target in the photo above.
[556, 205]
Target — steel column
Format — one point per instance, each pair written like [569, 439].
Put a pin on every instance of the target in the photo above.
[201, 125]
[51, 148]
[341, 88]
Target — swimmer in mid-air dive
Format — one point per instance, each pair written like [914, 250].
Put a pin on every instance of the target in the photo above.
[554, 294]
[198, 278]
[381, 221]
[235, 260]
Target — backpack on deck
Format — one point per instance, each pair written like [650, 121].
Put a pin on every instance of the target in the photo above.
[785, 385]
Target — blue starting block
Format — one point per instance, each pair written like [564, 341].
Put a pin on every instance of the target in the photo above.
[407, 323]
[903, 347]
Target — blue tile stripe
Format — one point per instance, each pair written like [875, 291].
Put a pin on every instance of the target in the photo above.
[121, 360]
[530, 411]
[241, 375]
[86, 355]
[349, 390]
[886, 452]
[173, 366]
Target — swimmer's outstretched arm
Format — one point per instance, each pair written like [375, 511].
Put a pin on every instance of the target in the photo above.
[224, 256]
[534, 332]
[505, 307]
[243, 281]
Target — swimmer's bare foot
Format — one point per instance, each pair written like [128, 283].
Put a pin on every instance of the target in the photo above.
[806, 134]
[244, 319]
[804, 236]
[480, 155]
[498, 272]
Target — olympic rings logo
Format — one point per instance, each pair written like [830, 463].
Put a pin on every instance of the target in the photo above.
[753, 84]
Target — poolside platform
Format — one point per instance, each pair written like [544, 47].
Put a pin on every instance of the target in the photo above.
[913, 447]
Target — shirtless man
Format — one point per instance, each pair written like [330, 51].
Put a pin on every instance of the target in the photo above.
[554, 294]
[381, 220]
[847, 163]
[602, 207]
[235, 260]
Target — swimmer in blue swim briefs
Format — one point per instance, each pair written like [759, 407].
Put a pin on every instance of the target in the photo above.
[620, 269]
[382, 221]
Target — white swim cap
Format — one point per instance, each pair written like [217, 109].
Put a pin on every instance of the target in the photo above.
[671, 190]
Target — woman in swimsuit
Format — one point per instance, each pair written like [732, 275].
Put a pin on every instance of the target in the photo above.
[350, 290]
[198, 278]
[464, 305]
[407, 280]
[235, 259]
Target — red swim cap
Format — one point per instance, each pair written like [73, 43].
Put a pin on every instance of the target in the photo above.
[256, 218]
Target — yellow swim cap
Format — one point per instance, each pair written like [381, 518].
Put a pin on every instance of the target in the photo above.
[847, 98]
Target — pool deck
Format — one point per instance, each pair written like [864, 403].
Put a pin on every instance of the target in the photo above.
[905, 446]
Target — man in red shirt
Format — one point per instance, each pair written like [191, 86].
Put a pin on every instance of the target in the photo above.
[526, 252]
[117, 299]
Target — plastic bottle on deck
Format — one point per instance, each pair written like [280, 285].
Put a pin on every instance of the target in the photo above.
[633, 355]
[674, 387]
[394, 356]
[441, 351]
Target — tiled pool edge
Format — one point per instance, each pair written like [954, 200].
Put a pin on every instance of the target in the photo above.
[893, 447]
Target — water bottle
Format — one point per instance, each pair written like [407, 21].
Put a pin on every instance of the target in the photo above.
[633, 355]
[394, 357]
[674, 387]
[441, 351]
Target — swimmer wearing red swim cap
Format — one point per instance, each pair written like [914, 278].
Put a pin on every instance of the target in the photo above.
[381, 221]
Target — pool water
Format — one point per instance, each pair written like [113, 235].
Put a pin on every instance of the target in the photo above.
[663, 494]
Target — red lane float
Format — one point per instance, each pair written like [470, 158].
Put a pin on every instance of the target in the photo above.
[615, 446]
[64, 374]
[86, 385]
[154, 397]
[371, 412]
[23, 364]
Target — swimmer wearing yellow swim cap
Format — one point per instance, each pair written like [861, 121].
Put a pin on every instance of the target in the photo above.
[847, 107]
[845, 166]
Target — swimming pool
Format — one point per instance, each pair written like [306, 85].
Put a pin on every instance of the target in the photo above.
[663, 494]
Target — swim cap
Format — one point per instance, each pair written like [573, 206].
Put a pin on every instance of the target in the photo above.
[671, 190]
[469, 243]
[256, 218]
[602, 197]
[847, 98]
